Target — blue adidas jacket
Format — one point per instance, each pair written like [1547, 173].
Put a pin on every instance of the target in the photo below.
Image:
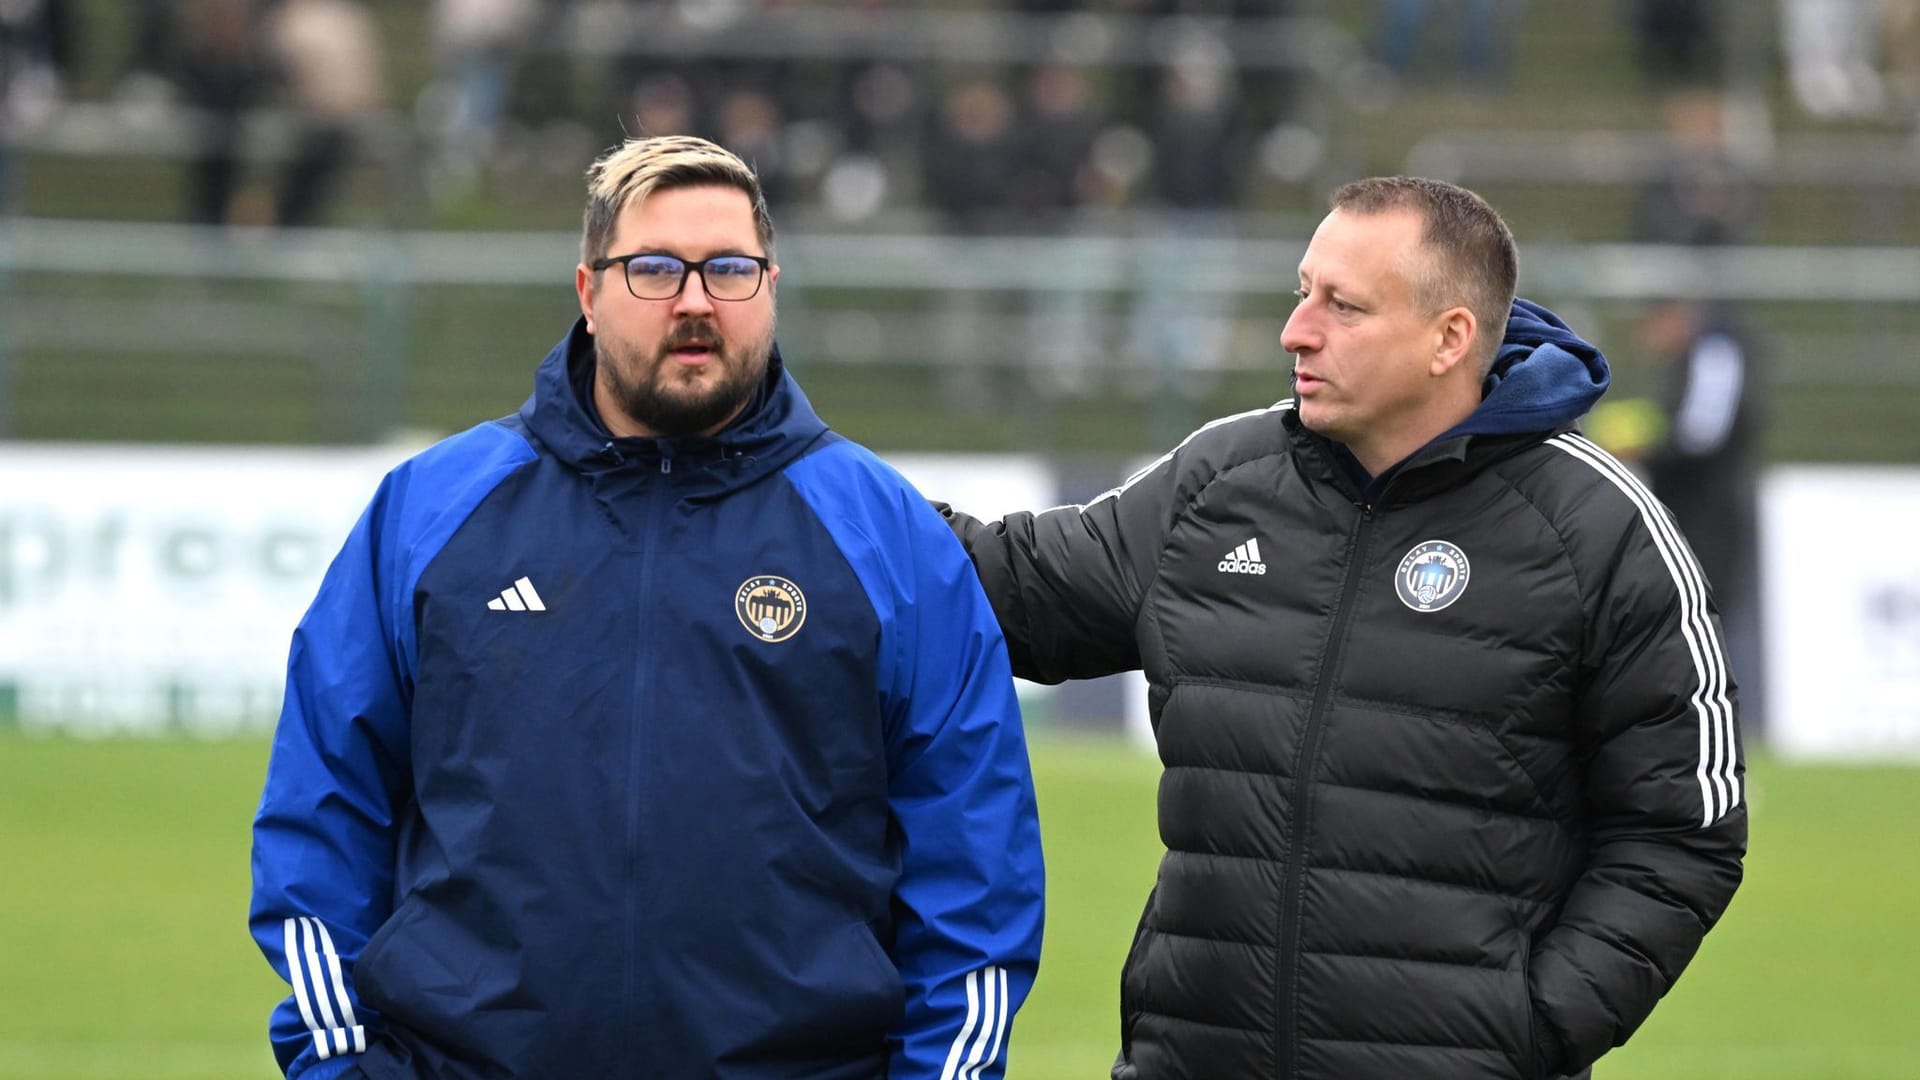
[648, 758]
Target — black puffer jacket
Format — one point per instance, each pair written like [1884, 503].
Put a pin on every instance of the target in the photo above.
[1453, 784]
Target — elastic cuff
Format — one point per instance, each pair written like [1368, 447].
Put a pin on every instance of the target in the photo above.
[332, 1068]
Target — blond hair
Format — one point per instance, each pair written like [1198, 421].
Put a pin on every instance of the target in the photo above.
[638, 167]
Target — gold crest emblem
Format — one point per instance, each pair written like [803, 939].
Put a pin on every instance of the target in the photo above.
[771, 608]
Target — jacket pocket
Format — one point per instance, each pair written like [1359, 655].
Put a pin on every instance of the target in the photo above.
[1530, 1066]
[373, 972]
[1129, 1003]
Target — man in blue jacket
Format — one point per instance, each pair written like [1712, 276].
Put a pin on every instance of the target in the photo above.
[655, 730]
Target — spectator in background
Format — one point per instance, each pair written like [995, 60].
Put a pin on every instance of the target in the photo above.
[973, 156]
[1901, 36]
[1676, 42]
[543, 96]
[1701, 194]
[151, 75]
[1199, 147]
[1183, 324]
[222, 73]
[749, 124]
[39, 45]
[477, 46]
[329, 55]
[873, 136]
[324, 55]
[1055, 181]
[1832, 52]
[663, 105]
[1052, 178]
[1485, 38]
[971, 163]
[1705, 464]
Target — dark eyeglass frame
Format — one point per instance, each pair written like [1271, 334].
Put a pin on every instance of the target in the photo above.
[687, 269]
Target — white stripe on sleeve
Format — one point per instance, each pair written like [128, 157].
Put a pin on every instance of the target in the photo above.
[297, 975]
[307, 940]
[1168, 456]
[1719, 786]
[317, 978]
[966, 1030]
[999, 1025]
[988, 1021]
[347, 1019]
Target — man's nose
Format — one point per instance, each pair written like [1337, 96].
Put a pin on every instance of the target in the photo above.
[1298, 334]
[693, 296]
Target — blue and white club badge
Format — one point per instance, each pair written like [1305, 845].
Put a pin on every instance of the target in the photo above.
[771, 608]
[1433, 575]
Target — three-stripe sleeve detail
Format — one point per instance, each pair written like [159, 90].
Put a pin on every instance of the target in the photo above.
[978, 1044]
[1713, 707]
[320, 988]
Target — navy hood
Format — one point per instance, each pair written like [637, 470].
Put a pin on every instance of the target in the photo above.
[1543, 378]
[777, 426]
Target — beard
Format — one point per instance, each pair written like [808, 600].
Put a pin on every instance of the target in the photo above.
[672, 401]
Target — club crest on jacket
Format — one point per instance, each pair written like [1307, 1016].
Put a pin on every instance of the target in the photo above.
[770, 607]
[1433, 575]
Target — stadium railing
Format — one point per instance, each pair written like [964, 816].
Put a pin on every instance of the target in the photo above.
[395, 329]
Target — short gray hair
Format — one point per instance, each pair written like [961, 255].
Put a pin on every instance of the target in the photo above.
[1474, 261]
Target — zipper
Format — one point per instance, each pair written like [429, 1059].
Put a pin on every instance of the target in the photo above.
[638, 992]
[1293, 883]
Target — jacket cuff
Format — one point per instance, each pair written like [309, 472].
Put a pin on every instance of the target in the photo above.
[332, 1069]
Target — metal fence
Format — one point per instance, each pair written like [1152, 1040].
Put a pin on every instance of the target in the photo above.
[1099, 343]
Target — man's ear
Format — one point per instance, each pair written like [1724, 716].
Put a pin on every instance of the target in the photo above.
[1455, 333]
[583, 285]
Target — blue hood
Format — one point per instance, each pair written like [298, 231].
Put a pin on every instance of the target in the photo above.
[1543, 377]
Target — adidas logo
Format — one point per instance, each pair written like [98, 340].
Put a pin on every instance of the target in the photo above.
[517, 597]
[1244, 559]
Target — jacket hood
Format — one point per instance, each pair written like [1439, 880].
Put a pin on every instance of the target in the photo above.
[1544, 377]
[777, 426]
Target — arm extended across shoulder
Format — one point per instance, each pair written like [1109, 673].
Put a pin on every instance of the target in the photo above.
[1068, 584]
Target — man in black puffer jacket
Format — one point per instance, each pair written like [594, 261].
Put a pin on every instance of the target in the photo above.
[1453, 780]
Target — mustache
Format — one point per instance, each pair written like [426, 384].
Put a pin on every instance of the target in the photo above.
[694, 332]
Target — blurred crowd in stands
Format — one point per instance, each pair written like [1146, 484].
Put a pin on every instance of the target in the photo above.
[1031, 116]
[1182, 123]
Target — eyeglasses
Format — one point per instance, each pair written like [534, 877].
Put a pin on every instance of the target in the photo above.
[652, 276]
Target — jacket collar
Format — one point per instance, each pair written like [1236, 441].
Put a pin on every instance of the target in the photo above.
[777, 426]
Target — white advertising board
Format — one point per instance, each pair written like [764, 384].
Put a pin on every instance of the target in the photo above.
[988, 487]
[149, 590]
[1840, 586]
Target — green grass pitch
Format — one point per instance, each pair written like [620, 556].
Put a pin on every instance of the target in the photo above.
[124, 950]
